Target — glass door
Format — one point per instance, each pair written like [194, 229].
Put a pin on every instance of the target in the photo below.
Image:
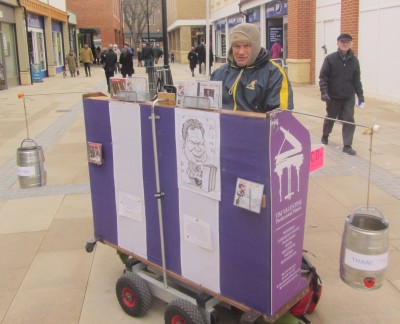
[3, 76]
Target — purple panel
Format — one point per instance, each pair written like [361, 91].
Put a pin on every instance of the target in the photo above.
[165, 128]
[244, 235]
[98, 130]
[290, 160]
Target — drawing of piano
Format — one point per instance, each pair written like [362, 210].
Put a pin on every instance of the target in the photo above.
[291, 158]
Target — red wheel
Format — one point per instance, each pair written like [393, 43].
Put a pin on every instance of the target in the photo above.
[176, 319]
[133, 294]
[181, 311]
[128, 297]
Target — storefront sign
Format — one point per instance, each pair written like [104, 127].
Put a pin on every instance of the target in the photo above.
[253, 15]
[220, 25]
[37, 75]
[276, 8]
[236, 20]
[35, 21]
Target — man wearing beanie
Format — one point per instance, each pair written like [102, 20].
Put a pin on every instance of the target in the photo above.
[250, 80]
[339, 80]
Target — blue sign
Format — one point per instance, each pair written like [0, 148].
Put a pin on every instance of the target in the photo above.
[35, 21]
[36, 71]
[274, 33]
[253, 15]
[276, 8]
[233, 21]
[220, 25]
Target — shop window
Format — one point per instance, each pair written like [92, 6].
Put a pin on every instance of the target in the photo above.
[36, 48]
[57, 49]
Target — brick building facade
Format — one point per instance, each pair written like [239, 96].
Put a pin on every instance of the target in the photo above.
[99, 22]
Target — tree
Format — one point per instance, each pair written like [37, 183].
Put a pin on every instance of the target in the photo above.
[135, 16]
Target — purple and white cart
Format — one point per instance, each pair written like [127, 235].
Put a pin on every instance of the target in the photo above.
[205, 214]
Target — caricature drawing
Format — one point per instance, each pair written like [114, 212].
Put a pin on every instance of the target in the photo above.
[194, 150]
[197, 173]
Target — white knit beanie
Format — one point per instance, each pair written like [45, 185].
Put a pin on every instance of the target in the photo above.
[246, 33]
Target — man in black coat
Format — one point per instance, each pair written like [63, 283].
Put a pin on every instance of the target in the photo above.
[339, 81]
[201, 54]
[147, 56]
[110, 60]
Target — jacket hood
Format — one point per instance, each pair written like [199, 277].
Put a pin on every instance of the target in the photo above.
[246, 33]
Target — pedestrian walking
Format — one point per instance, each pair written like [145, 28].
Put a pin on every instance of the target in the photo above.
[339, 81]
[110, 60]
[126, 61]
[118, 53]
[139, 57]
[201, 55]
[193, 60]
[147, 56]
[157, 52]
[72, 62]
[87, 58]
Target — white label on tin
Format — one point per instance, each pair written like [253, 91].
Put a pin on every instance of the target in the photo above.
[366, 262]
[26, 171]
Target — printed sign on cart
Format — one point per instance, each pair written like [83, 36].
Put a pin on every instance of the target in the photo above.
[317, 157]
[290, 156]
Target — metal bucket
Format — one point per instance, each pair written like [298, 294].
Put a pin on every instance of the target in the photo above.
[364, 252]
[31, 168]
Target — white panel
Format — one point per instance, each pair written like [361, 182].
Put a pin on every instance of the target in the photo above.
[128, 176]
[368, 51]
[328, 10]
[377, 41]
[389, 66]
[326, 35]
[327, 30]
[200, 264]
[59, 4]
[376, 4]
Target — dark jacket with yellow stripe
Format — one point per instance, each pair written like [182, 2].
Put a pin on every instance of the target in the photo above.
[260, 87]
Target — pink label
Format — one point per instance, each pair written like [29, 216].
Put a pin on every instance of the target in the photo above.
[317, 158]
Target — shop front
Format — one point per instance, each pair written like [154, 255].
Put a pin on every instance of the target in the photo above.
[220, 41]
[58, 52]
[36, 43]
[276, 22]
[8, 58]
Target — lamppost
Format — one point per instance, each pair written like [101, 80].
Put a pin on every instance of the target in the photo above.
[148, 22]
[165, 33]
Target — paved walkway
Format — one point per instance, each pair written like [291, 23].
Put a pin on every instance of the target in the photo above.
[47, 277]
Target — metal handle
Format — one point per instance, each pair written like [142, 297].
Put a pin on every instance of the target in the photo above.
[28, 140]
[374, 209]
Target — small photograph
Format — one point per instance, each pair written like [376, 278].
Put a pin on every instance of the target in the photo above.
[94, 151]
[209, 93]
[248, 195]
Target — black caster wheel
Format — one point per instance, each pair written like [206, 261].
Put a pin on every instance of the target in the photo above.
[90, 246]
